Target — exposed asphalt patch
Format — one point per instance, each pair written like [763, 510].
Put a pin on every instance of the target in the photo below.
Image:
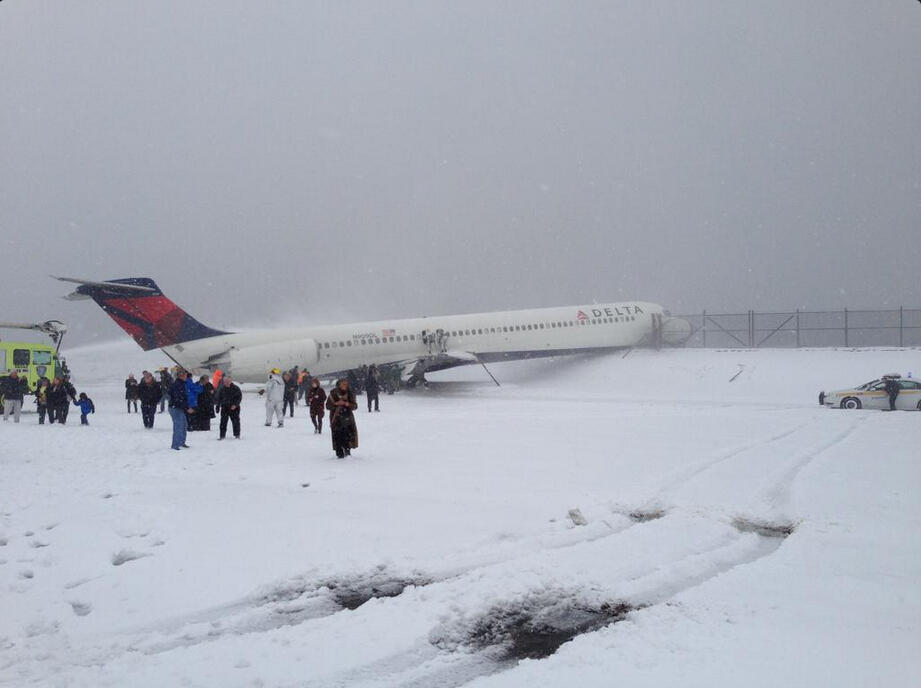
[347, 592]
[351, 594]
[646, 515]
[763, 528]
[534, 627]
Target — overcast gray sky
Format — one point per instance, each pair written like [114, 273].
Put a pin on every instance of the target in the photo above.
[326, 161]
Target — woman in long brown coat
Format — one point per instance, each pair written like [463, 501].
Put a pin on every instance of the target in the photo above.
[341, 403]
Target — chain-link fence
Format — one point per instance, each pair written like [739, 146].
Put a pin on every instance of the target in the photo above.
[893, 327]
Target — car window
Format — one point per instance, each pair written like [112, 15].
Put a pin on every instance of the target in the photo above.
[877, 386]
[909, 384]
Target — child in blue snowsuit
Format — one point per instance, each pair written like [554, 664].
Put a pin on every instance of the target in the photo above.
[86, 407]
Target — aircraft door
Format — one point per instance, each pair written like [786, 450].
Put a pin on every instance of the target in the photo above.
[657, 330]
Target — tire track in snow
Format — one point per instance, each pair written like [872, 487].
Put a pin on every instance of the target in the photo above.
[692, 472]
[778, 494]
[452, 658]
[302, 599]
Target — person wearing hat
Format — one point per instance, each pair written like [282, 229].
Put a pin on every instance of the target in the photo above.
[275, 398]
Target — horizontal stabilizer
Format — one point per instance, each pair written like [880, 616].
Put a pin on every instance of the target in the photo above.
[114, 287]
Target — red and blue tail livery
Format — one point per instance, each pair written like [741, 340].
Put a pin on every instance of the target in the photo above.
[141, 310]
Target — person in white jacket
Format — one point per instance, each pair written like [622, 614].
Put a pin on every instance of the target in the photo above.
[275, 398]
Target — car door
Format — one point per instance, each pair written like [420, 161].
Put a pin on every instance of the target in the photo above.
[909, 395]
[875, 397]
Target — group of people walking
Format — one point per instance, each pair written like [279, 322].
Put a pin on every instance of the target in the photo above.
[193, 404]
[281, 395]
[52, 397]
[151, 393]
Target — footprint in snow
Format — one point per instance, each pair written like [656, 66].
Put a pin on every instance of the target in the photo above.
[125, 555]
[81, 608]
[38, 544]
[27, 574]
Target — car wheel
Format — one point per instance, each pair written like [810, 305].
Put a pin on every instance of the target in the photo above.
[919, 405]
[851, 403]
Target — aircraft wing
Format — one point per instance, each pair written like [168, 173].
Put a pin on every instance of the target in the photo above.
[415, 368]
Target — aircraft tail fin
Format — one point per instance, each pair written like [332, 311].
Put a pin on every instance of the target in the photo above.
[143, 311]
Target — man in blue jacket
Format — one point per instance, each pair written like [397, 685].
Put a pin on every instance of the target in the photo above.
[179, 410]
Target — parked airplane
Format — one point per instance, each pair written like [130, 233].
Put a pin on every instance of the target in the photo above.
[417, 345]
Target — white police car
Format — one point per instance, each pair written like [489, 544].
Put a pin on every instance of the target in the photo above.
[872, 395]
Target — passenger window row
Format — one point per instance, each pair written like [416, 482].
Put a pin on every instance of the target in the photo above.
[481, 331]
[541, 326]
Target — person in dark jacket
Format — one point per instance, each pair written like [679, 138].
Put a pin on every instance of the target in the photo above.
[373, 388]
[204, 409]
[131, 392]
[179, 410]
[57, 401]
[150, 393]
[892, 387]
[290, 393]
[41, 398]
[354, 381]
[166, 381]
[316, 400]
[230, 397]
[70, 393]
[14, 389]
[86, 408]
[341, 403]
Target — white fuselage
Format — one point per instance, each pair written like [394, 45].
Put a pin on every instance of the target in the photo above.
[436, 342]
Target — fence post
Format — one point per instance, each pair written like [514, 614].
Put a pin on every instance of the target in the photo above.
[845, 327]
[797, 328]
[751, 329]
[703, 326]
[901, 325]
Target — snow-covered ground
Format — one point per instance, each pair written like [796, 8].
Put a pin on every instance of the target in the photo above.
[736, 534]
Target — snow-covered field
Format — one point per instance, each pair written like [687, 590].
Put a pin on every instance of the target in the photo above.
[736, 534]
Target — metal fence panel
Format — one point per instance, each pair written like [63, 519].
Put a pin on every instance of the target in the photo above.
[844, 328]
